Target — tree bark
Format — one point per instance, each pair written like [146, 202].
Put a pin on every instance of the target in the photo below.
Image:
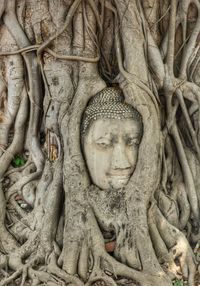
[55, 56]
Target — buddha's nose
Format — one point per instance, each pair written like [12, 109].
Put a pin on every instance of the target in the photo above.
[120, 158]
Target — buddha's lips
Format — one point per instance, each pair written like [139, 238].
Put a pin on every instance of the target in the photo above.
[119, 176]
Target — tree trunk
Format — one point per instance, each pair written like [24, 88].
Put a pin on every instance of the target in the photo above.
[57, 226]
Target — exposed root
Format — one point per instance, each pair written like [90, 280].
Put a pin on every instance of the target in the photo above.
[54, 269]
[49, 72]
[178, 247]
[19, 135]
[52, 53]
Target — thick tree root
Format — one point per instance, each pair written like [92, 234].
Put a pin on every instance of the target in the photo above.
[56, 243]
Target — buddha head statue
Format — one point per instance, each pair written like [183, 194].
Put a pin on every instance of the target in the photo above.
[111, 133]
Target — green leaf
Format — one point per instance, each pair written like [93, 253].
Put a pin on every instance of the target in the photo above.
[18, 161]
[178, 282]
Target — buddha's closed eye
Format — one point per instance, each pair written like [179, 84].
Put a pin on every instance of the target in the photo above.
[133, 141]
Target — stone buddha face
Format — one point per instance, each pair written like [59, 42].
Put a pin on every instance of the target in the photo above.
[111, 141]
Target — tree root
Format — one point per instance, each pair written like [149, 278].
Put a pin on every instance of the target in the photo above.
[120, 270]
[184, 206]
[178, 246]
[84, 258]
[6, 280]
[54, 269]
[107, 281]
[35, 93]
[7, 241]
[18, 139]
[71, 12]
[52, 53]
[103, 262]
[18, 186]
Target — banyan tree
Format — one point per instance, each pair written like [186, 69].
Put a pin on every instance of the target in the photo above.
[99, 142]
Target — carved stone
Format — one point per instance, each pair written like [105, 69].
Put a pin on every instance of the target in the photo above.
[111, 134]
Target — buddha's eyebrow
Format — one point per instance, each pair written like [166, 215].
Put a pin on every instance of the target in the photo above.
[131, 135]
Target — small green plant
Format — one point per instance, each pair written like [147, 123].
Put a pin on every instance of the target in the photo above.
[178, 282]
[18, 161]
